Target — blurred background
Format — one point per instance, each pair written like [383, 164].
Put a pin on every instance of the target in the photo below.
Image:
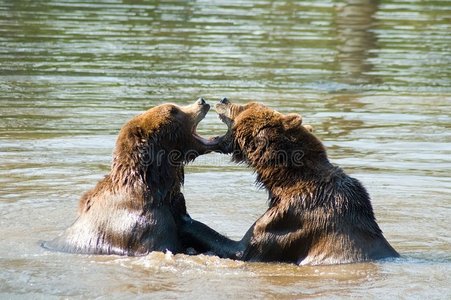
[372, 77]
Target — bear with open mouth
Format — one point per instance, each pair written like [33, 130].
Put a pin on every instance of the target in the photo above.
[135, 208]
[317, 214]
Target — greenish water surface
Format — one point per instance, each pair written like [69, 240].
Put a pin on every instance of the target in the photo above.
[372, 77]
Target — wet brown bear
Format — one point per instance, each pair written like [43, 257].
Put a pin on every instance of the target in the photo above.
[131, 210]
[317, 214]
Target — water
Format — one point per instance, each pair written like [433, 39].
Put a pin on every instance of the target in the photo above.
[372, 77]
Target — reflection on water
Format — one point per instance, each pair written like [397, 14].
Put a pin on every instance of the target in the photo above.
[354, 22]
[372, 77]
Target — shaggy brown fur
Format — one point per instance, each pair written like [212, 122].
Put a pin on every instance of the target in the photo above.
[133, 210]
[317, 214]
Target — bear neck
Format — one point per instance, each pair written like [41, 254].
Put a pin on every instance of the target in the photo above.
[126, 174]
[144, 170]
[128, 167]
[288, 181]
[144, 185]
[304, 163]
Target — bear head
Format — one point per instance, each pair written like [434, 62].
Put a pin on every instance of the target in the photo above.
[263, 137]
[158, 140]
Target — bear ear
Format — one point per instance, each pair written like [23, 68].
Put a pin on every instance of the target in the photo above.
[292, 120]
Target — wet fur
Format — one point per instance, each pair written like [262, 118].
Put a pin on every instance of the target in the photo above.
[131, 210]
[317, 214]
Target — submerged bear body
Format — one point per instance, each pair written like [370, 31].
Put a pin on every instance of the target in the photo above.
[134, 209]
[317, 214]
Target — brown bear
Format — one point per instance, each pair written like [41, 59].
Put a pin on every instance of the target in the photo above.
[134, 209]
[317, 214]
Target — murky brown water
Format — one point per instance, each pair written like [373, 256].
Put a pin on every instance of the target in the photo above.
[372, 77]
